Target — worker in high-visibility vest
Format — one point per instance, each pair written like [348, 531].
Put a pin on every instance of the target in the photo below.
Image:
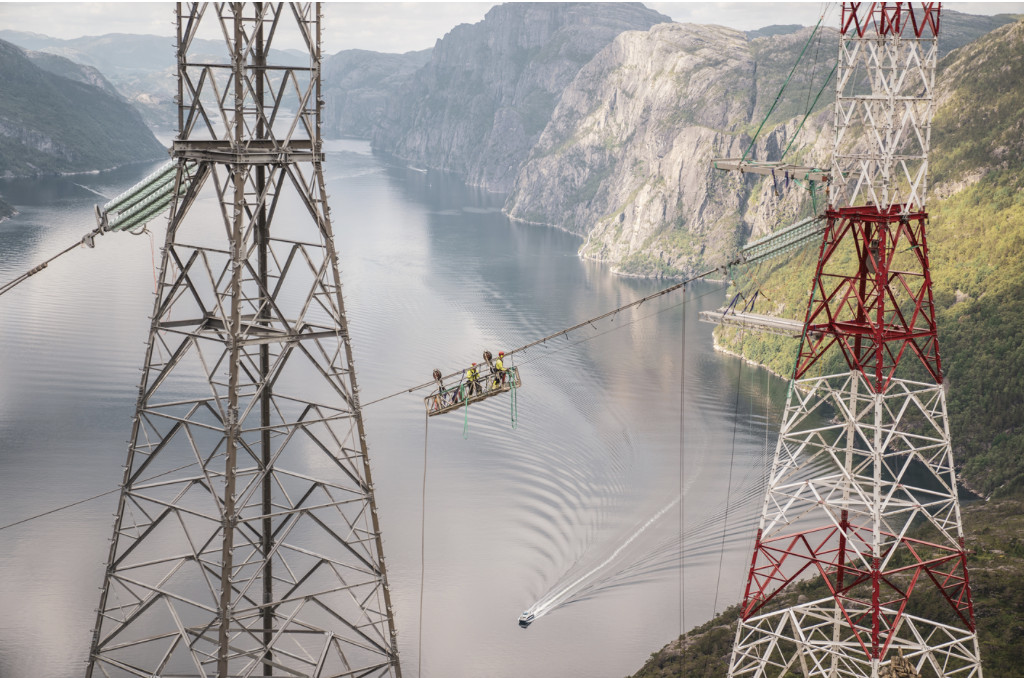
[500, 373]
[473, 381]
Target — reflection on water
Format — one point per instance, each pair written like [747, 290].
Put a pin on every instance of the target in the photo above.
[434, 274]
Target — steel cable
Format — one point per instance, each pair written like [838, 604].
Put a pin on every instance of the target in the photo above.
[96, 496]
[637, 303]
[25, 276]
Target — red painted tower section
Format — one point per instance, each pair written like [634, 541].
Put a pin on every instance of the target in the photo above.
[864, 457]
[873, 310]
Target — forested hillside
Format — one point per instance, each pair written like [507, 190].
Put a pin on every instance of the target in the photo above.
[976, 247]
[49, 123]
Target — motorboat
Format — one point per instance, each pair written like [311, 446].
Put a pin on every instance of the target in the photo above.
[526, 619]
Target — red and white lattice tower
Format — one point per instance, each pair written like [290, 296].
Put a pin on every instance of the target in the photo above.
[864, 458]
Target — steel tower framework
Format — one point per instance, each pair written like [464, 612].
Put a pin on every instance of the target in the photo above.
[863, 457]
[246, 540]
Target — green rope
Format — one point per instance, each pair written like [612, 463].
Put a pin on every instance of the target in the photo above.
[779, 96]
[515, 408]
[465, 422]
[811, 108]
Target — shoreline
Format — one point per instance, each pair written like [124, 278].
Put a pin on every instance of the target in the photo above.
[72, 174]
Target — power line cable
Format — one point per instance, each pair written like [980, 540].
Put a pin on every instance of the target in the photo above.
[87, 239]
[96, 496]
[637, 303]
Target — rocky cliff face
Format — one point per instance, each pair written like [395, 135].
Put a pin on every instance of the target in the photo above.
[481, 103]
[626, 158]
[356, 86]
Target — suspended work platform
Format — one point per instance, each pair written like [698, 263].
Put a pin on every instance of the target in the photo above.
[452, 398]
[754, 321]
[780, 170]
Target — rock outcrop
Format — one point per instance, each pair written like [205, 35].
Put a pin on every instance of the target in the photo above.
[6, 211]
[626, 159]
[481, 103]
[357, 84]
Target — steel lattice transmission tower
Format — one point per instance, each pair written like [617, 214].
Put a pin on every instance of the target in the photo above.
[863, 457]
[246, 541]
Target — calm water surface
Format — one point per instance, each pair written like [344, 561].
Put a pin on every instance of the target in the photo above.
[434, 274]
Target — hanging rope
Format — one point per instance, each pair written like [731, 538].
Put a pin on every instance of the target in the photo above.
[423, 543]
[465, 422]
[514, 405]
[682, 499]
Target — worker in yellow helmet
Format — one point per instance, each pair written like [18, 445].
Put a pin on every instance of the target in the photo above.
[473, 381]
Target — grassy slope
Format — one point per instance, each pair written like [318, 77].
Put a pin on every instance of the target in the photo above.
[91, 129]
[996, 567]
[976, 244]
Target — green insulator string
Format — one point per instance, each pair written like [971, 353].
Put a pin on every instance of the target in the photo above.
[465, 422]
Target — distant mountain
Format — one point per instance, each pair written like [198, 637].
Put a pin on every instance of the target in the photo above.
[52, 123]
[774, 29]
[141, 67]
[67, 68]
[357, 83]
[959, 29]
[481, 103]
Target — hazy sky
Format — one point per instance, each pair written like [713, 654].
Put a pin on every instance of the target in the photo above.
[400, 27]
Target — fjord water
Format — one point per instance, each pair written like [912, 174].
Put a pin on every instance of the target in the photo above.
[434, 274]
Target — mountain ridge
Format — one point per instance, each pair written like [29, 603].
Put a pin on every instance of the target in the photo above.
[480, 104]
[53, 124]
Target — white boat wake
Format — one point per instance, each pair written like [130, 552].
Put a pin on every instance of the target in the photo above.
[557, 596]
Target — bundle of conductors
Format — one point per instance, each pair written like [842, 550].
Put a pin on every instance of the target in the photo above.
[146, 199]
[786, 240]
